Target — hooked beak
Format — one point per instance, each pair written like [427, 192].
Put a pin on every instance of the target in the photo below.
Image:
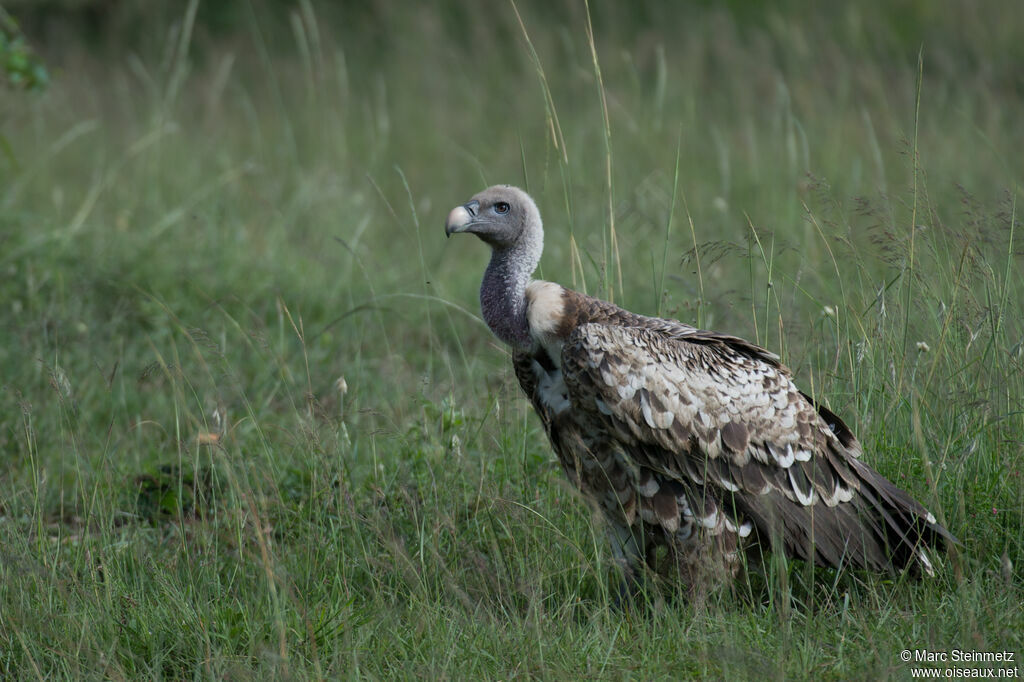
[461, 218]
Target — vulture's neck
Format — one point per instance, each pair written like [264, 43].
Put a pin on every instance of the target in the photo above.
[503, 292]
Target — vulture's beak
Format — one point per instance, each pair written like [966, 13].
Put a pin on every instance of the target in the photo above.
[461, 218]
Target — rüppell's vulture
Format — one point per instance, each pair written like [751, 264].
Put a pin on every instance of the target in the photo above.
[696, 446]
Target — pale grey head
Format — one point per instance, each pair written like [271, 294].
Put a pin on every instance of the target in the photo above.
[502, 216]
[507, 220]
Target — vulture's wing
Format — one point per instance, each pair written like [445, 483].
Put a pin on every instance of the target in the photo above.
[723, 417]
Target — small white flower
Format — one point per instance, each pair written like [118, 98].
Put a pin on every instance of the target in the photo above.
[923, 347]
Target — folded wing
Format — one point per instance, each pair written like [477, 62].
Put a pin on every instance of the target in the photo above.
[723, 419]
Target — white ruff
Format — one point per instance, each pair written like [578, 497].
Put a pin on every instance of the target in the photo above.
[544, 310]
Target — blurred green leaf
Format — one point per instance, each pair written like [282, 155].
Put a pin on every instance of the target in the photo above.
[20, 68]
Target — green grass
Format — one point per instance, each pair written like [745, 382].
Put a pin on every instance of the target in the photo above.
[201, 232]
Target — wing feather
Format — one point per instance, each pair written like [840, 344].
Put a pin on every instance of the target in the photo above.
[724, 416]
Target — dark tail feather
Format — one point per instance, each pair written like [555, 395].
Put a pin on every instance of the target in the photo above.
[910, 529]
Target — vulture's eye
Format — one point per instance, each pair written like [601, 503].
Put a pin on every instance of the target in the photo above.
[501, 207]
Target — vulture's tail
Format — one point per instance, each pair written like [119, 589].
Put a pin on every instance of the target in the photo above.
[907, 529]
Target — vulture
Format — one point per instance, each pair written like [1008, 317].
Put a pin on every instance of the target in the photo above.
[697, 447]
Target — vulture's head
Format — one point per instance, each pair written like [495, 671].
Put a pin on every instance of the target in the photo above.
[503, 216]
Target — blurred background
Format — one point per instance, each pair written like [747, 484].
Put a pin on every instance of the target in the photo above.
[225, 295]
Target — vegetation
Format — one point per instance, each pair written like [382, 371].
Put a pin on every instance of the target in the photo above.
[252, 425]
[19, 67]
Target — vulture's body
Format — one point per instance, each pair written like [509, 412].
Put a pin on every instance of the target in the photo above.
[696, 446]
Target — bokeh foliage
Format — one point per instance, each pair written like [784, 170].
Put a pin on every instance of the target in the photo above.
[20, 68]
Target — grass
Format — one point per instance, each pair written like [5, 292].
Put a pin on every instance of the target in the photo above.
[205, 235]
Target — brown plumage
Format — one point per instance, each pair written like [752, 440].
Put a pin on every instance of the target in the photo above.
[685, 439]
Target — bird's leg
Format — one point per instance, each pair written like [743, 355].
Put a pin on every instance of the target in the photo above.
[630, 565]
